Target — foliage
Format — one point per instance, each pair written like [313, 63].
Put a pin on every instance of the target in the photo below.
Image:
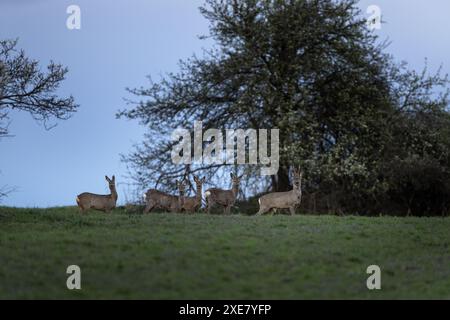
[312, 69]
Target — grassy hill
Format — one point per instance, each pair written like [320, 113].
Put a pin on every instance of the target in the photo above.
[175, 256]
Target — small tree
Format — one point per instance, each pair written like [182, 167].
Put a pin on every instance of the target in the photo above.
[313, 70]
[24, 87]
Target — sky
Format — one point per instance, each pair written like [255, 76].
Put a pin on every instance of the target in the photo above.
[120, 43]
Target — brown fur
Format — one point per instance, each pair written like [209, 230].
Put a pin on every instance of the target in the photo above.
[86, 201]
[193, 204]
[224, 198]
[283, 200]
[156, 199]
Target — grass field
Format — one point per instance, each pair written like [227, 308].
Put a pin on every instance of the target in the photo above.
[167, 256]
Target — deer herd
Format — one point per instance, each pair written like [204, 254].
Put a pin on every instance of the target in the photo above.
[156, 199]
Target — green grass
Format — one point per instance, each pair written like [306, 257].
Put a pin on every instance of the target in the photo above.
[168, 256]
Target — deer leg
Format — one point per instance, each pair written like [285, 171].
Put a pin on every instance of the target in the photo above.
[149, 207]
[174, 209]
[227, 210]
[292, 210]
[262, 210]
[208, 205]
[83, 210]
[79, 205]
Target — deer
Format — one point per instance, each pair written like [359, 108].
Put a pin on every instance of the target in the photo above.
[283, 200]
[192, 204]
[106, 203]
[224, 198]
[161, 200]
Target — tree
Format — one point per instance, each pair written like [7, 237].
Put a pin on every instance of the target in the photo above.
[24, 87]
[310, 68]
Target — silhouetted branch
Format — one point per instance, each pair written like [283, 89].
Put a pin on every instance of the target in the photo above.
[23, 86]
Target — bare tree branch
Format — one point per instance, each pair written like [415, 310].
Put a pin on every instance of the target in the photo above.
[24, 87]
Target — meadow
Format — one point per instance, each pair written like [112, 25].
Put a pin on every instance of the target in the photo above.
[177, 256]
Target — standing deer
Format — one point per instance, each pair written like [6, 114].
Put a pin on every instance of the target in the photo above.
[224, 198]
[283, 200]
[105, 203]
[161, 200]
[192, 204]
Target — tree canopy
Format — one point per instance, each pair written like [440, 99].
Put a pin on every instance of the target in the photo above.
[24, 87]
[346, 111]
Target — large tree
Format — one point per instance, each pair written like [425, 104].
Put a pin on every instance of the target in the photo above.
[310, 68]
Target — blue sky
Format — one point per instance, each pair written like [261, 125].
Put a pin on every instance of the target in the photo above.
[121, 42]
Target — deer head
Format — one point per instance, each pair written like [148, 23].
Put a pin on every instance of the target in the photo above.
[297, 179]
[112, 185]
[199, 182]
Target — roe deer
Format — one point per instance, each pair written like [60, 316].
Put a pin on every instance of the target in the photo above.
[224, 198]
[156, 199]
[192, 204]
[105, 203]
[283, 200]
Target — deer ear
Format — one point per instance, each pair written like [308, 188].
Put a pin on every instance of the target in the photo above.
[203, 179]
[231, 175]
[107, 179]
[113, 178]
